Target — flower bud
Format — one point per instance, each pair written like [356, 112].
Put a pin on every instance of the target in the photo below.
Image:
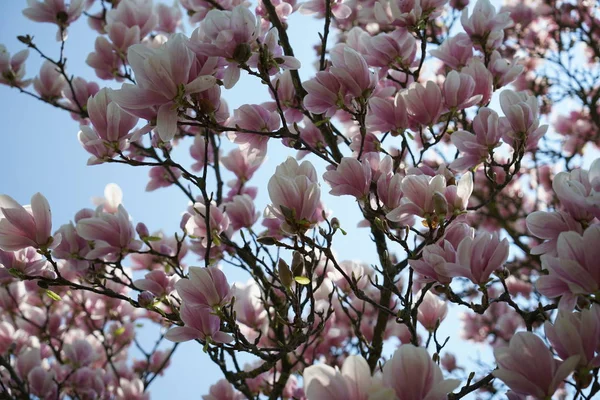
[285, 275]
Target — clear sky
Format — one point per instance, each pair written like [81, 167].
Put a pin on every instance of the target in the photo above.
[41, 153]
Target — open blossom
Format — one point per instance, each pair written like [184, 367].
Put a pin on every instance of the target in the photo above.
[574, 270]
[527, 366]
[169, 17]
[256, 118]
[338, 8]
[162, 177]
[165, 77]
[353, 382]
[424, 102]
[199, 323]
[476, 148]
[351, 177]
[485, 26]
[222, 390]
[388, 115]
[228, 34]
[397, 49]
[271, 58]
[577, 334]
[520, 126]
[133, 14]
[243, 163]
[241, 212]
[22, 227]
[504, 72]
[206, 287]
[477, 257]
[432, 266]
[484, 80]
[12, 69]
[352, 71]
[50, 82]
[218, 222]
[455, 51]
[55, 12]
[111, 233]
[158, 283]
[295, 195]
[325, 94]
[459, 91]
[413, 375]
[42, 383]
[408, 13]
[579, 192]
[548, 226]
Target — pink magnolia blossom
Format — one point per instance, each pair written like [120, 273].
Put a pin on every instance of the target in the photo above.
[295, 195]
[161, 177]
[131, 390]
[432, 266]
[199, 324]
[21, 227]
[241, 212]
[485, 26]
[579, 192]
[520, 125]
[158, 283]
[353, 382]
[388, 115]
[222, 390]
[256, 118]
[573, 271]
[397, 49]
[218, 222]
[243, 163]
[110, 128]
[165, 77]
[27, 261]
[136, 14]
[12, 69]
[476, 148]
[351, 177]
[459, 91]
[527, 367]
[338, 8]
[325, 94]
[104, 60]
[477, 257]
[49, 83]
[484, 80]
[206, 287]
[80, 353]
[287, 96]
[432, 311]
[112, 234]
[202, 153]
[228, 34]
[55, 12]
[576, 334]
[42, 384]
[455, 51]
[408, 13]
[352, 71]
[548, 226]
[504, 72]
[419, 192]
[413, 375]
[424, 103]
[169, 17]
[272, 58]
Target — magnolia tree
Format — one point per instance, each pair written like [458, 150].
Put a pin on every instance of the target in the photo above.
[438, 118]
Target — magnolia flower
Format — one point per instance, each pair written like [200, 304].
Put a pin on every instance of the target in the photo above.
[241, 212]
[432, 311]
[199, 323]
[548, 226]
[206, 287]
[413, 375]
[165, 77]
[455, 51]
[21, 227]
[353, 382]
[157, 282]
[520, 126]
[576, 334]
[485, 26]
[12, 69]
[351, 177]
[56, 12]
[573, 271]
[295, 195]
[424, 102]
[477, 257]
[527, 367]
[50, 82]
